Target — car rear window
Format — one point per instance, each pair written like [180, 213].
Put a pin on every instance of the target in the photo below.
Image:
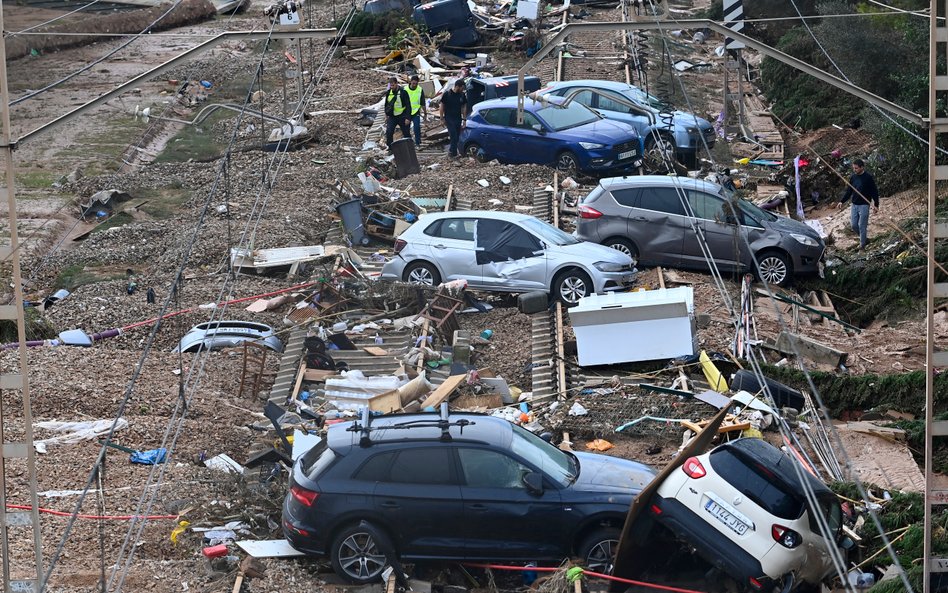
[757, 483]
[317, 459]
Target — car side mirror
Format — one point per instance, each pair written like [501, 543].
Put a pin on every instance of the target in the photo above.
[534, 483]
[539, 129]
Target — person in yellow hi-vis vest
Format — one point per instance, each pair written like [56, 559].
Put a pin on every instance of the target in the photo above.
[416, 96]
[397, 104]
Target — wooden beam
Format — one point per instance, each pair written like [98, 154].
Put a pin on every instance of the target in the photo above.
[443, 391]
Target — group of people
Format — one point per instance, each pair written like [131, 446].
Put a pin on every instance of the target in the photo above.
[406, 106]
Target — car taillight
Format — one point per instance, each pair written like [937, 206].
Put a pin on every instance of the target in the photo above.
[399, 245]
[303, 496]
[755, 583]
[589, 212]
[693, 468]
[785, 536]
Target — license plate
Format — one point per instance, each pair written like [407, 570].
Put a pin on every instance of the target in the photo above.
[722, 515]
[627, 154]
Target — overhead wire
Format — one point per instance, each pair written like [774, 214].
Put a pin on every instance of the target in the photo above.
[196, 371]
[50, 21]
[835, 554]
[52, 85]
[878, 109]
[136, 373]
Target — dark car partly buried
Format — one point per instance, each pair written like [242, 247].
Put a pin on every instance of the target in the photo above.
[464, 486]
[566, 135]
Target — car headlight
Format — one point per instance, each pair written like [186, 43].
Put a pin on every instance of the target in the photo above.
[591, 145]
[809, 241]
[605, 266]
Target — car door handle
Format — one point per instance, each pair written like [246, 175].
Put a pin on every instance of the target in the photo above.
[389, 505]
[639, 218]
[439, 246]
[478, 507]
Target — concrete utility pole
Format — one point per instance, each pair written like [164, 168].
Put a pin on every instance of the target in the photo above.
[13, 454]
[937, 231]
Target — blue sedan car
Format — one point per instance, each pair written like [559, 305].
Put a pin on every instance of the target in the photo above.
[564, 134]
[685, 135]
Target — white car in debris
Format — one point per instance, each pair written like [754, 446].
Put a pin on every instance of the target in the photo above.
[743, 508]
[506, 252]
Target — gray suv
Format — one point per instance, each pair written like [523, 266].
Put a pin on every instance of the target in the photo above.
[656, 219]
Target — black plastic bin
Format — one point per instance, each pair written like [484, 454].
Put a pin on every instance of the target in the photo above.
[406, 161]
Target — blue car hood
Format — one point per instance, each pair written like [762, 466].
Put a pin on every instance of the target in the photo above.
[604, 473]
[602, 131]
[690, 120]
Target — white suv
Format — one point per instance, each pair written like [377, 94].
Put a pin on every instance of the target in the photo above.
[743, 509]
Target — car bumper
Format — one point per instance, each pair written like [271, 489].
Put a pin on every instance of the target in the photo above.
[301, 536]
[393, 270]
[718, 550]
[602, 161]
[612, 281]
[806, 262]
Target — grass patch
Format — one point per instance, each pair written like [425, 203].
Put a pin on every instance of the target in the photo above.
[162, 203]
[37, 327]
[195, 142]
[36, 178]
[117, 219]
[78, 275]
[99, 152]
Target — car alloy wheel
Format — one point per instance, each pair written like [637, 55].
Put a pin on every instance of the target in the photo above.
[773, 269]
[598, 550]
[360, 558]
[422, 273]
[573, 286]
[659, 155]
[566, 164]
[623, 246]
[474, 151]
[601, 556]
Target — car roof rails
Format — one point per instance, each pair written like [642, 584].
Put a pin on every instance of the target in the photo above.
[365, 428]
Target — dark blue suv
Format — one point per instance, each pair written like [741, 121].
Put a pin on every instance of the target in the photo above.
[464, 487]
[566, 135]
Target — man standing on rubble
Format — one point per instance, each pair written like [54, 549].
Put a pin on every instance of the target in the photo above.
[862, 189]
[397, 103]
[454, 114]
[416, 97]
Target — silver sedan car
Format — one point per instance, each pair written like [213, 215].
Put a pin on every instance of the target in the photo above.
[506, 252]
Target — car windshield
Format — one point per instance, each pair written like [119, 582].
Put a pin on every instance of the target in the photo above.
[560, 117]
[549, 233]
[557, 464]
[642, 98]
[755, 212]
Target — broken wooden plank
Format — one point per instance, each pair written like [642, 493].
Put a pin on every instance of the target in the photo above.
[791, 344]
[443, 391]
[318, 374]
[376, 351]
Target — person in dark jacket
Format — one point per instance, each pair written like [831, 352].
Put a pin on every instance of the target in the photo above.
[397, 111]
[861, 189]
[454, 114]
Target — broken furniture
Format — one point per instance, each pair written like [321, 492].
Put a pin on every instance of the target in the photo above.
[634, 326]
[442, 311]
